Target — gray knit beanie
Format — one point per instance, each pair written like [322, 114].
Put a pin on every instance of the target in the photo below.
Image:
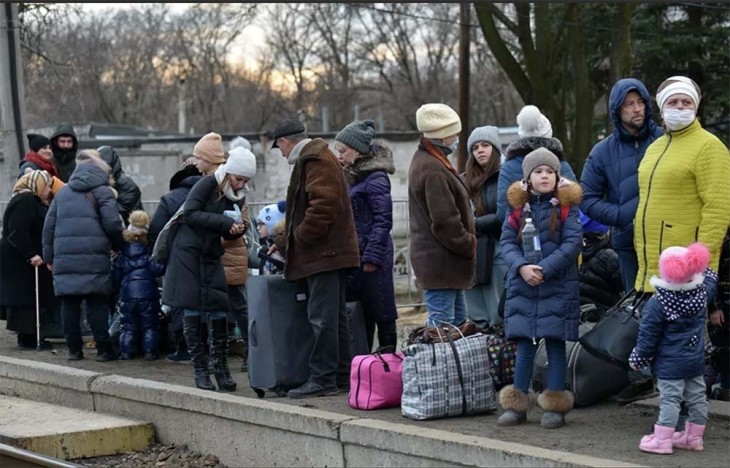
[358, 135]
[540, 157]
[487, 133]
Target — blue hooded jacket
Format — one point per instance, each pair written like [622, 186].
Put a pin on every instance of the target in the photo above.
[610, 175]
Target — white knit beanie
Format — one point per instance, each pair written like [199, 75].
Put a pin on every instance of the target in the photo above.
[241, 162]
[678, 85]
[240, 141]
[437, 121]
[533, 124]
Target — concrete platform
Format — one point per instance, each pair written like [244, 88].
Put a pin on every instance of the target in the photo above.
[67, 433]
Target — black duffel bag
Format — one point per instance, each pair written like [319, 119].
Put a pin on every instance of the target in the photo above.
[614, 336]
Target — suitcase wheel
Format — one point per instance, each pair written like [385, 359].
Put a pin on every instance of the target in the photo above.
[259, 393]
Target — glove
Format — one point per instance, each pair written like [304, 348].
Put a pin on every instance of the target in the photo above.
[234, 214]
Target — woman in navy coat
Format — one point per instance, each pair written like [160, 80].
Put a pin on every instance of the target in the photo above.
[367, 167]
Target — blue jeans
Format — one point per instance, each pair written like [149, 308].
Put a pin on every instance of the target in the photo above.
[445, 305]
[629, 266]
[556, 364]
[673, 392]
[212, 315]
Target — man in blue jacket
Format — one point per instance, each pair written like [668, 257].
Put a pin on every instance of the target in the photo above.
[611, 186]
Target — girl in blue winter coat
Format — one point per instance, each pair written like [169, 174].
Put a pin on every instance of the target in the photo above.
[139, 303]
[671, 345]
[542, 300]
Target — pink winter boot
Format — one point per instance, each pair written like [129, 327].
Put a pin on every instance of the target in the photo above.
[691, 438]
[658, 442]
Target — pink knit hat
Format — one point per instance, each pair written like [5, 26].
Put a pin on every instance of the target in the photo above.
[680, 265]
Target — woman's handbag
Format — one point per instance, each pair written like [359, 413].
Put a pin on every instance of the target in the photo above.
[614, 336]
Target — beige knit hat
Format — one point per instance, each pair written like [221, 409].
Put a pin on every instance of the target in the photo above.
[210, 149]
[437, 121]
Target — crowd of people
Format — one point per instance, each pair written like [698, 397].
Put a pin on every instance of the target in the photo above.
[648, 215]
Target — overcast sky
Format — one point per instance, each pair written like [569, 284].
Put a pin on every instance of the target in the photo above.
[247, 45]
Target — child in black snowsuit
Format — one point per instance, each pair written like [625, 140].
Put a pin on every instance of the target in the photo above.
[718, 326]
[139, 302]
[600, 277]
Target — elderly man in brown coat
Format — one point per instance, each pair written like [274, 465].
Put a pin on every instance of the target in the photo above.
[443, 243]
[321, 245]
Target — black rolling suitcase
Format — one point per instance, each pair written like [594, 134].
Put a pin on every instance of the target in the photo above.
[279, 335]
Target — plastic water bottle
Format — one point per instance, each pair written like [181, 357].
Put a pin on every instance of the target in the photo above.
[531, 243]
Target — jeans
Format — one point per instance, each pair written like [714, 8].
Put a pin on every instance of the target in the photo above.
[327, 313]
[445, 305]
[97, 310]
[671, 395]
[629, 266]
[482, 301]
[211, 315]
[556, 364]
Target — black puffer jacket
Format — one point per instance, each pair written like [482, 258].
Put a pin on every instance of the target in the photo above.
[600, 277]
[180, 184]
[195, 278]
[130, 197]
[65, 158]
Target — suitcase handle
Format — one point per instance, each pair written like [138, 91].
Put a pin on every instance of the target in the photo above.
[252, 333]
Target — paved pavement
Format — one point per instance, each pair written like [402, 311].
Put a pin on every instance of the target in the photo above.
[604, 430]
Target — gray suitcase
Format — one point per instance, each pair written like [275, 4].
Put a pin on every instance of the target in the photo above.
[279, 335]
[589, 378]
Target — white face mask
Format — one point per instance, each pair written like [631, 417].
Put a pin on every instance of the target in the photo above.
[676, 119]
[454, 144]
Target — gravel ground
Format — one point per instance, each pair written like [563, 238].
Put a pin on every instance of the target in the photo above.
[177, 456]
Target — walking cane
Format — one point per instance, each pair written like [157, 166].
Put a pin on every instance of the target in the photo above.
[37, 314]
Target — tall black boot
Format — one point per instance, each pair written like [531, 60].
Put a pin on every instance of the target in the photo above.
[218, 340]
[387, 334]
[192, 332]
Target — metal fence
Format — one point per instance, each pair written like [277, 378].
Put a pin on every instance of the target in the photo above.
[407, 294]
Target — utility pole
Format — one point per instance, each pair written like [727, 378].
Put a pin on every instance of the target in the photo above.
[12, 99]
[181, 124]
[464, 35]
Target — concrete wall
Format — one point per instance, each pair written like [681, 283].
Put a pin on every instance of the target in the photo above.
[249, 432]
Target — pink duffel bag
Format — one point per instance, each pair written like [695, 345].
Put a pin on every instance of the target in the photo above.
[375, 381]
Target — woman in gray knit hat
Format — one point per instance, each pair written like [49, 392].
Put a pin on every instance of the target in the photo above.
[481, 177]
[366, 167]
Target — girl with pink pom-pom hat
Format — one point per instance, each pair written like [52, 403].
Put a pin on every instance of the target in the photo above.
[671, 346]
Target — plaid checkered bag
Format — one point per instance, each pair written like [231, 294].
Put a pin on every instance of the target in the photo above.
[447, 379]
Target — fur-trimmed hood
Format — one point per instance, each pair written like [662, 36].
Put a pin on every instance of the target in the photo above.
[569, 193]
[379, 159]
[524, 146]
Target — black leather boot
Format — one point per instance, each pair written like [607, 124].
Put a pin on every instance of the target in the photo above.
[192, 332]
[218, 340]
[387, 334]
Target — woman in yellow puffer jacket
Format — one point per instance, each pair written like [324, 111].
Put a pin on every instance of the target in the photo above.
[684, 183]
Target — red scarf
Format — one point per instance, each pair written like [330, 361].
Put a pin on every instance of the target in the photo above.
[43, 164]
